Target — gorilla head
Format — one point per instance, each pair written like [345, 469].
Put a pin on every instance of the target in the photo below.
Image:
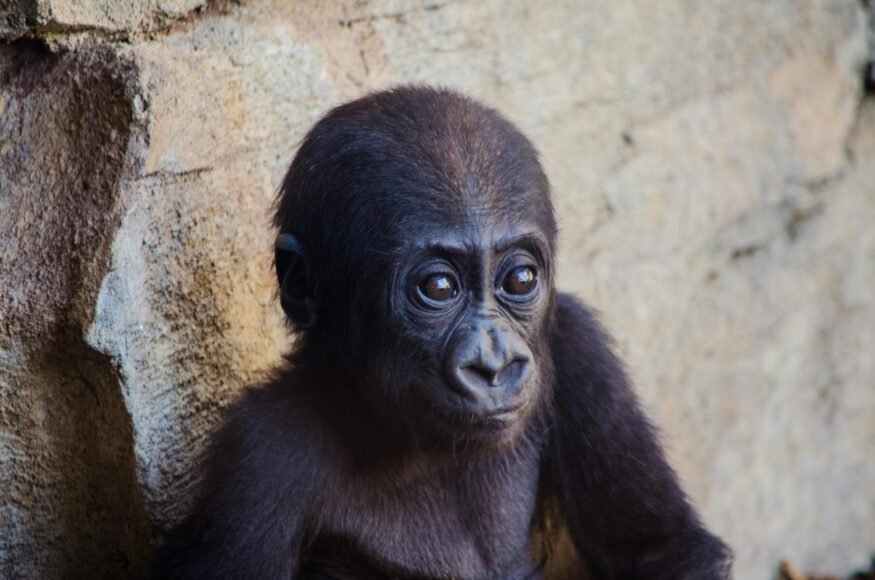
[415, 251]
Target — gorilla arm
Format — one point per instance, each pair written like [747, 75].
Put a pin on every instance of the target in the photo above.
[251, 511]
[623, 505]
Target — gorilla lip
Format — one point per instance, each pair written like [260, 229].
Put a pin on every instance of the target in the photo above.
[491, 419]
[502, 414]
[501, 411]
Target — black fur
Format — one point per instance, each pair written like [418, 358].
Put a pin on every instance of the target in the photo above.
[447, 413]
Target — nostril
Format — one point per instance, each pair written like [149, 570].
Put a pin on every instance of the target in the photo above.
[478, 374]
[513, 373]
[508, 375]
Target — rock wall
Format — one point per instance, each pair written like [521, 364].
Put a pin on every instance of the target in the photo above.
[714, 173]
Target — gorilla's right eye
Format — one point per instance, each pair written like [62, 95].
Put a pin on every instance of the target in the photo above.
[438, 288]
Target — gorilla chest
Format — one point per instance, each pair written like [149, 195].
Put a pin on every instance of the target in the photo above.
[438, 527]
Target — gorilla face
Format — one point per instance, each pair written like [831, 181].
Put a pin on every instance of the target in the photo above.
[470, 304]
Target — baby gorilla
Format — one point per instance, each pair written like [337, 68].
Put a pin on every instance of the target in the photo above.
[446, 412]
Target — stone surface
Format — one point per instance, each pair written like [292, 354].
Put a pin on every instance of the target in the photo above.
[122, 18]
[70, 504]
[714, 173]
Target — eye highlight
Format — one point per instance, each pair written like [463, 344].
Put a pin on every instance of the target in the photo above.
[520, 281]
[438, 288]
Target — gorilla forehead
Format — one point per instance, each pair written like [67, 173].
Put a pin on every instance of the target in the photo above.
[397, 162]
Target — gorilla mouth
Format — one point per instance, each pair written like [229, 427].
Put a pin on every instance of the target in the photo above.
[503, 414]
[491, 420]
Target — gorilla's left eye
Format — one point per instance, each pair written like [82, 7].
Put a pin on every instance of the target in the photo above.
[438, 288]
[520, 281]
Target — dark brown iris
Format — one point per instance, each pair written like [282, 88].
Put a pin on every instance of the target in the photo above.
[438, 287]
[520, 281]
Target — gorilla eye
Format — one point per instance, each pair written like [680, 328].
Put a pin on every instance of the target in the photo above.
[520, 281]
[438, 288]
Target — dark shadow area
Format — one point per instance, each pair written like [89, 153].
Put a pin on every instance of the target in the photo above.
[869, 79]
[102, 520]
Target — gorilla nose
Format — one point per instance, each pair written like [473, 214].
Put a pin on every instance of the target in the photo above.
[489, 365]
[494, 373]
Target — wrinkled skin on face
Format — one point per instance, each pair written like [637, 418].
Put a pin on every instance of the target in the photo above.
[472, 303]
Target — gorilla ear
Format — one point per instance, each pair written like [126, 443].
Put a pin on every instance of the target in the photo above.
[297, 285]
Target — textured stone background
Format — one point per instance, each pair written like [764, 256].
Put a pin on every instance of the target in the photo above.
[714, 173]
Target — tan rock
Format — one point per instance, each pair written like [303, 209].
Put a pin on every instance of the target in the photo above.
[98, 17]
